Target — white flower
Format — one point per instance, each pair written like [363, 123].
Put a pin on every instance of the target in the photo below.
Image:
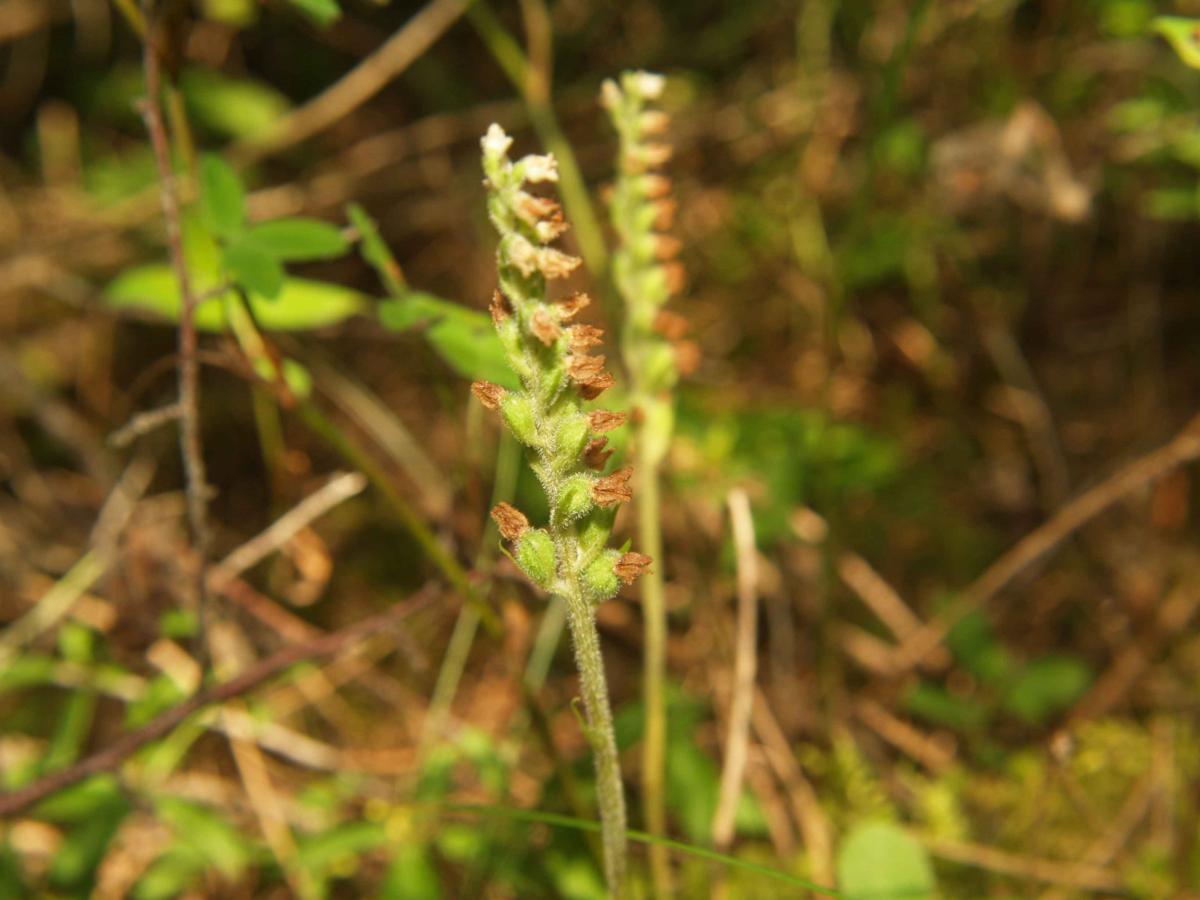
[648, 84]
[495, 142]
[540, 168]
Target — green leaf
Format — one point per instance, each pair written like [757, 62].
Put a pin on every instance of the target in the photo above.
[322, 12]
[464, 338]
[321, 852]
[233, 107]
[1047, 686]
[880, 861]
[298, 239]
[302, 305]
[1183, 34]
[222, 197]
[254, 269]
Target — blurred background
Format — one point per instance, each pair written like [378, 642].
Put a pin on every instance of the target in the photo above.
[942, 268]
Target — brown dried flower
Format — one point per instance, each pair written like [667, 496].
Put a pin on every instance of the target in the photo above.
[671, 325]
[594, 454]
[488, 394]
[595, 386]
[585, 336]
[631, 566]
[582, 368]
[500, 308]
[570, 306]
[687, 357]
[602, 420]
[556, 264]
[676, 277]
[664, 213]
[656, 186]
[613, 489]
[667, 246]
[510, 520]
[543, 326]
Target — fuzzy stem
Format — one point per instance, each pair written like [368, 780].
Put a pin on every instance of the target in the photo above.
[610, 795]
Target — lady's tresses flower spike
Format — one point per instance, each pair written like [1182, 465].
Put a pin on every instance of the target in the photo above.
[558, 371]
[644, 266]
[570, 557]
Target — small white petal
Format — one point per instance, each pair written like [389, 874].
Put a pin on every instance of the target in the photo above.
[610, 94]
[540, 168]
[496, 142]
[648, 84]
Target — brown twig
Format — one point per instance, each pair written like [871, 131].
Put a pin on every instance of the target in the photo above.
[111, 756]
[1180, 450]
[362, 83]
[193, 456]
[338, 489]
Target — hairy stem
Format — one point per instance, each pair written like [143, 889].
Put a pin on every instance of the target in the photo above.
[610, 796]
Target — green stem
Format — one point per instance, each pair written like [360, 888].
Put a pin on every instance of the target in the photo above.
[654, 741]
[610, 796]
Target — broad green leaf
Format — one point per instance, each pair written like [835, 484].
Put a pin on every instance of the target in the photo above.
[254, 269]
[298, 239]
[222, 197]
[323, 12]
[465, 338]
[302, 305]
[881, 861]
[234, 107]
[1184, 35]
[1047, 686]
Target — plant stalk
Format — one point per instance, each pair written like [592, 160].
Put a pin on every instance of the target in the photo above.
[654, 614]
[609, 794]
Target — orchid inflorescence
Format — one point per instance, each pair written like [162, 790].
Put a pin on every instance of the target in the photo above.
[552, 357]
[644, 266]
[553, 360]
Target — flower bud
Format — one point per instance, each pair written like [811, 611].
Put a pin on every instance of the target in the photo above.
[517, 411]
[571, 437]
[594, 530]
[535, 555]
[599, 579]
[574, 498]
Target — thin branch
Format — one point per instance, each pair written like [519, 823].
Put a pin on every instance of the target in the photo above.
[193, 455]
[112, 756]
[143, 423]
[359, 85]
[338, 489]
[744, 668]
